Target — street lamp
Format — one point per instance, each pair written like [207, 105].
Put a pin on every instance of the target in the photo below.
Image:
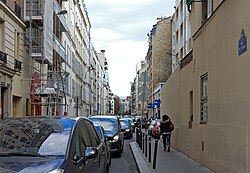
[57, 67]
[61, 12]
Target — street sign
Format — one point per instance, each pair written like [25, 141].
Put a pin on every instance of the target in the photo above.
[151, 105]
[143, 78]
[157, 102]
[143, 97]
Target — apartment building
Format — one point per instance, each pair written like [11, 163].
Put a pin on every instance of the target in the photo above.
[207, 96]
[13, 60]
[158, 58]
[141, 89]
[181, 33]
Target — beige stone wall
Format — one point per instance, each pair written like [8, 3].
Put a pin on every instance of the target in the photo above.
[222, 144]
[161, 45]
[20, 83]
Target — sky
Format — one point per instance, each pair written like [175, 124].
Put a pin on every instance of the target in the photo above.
[120, 28]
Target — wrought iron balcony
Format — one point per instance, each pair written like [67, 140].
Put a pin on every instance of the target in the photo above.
[18, 10]
[18, 65]
[59, 48]
[3, 57]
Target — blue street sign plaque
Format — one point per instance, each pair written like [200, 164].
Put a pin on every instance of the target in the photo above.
[157, 102]
[242, 43]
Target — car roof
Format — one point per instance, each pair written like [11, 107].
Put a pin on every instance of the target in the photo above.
[56, 122]
[103, 116]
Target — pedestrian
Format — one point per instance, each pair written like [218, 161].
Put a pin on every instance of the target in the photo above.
[166, 127]
[156, 130]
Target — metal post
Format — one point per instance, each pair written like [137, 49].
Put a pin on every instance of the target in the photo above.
[143, 142]
[149, 149]
[155, 154]
[140, 139]
[146, 145]
[136, 135]
[77, 105]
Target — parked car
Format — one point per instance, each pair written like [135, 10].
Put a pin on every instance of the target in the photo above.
[112, 127]
[106, 142]
[151, 126]
[50, 144]
[127, 128]
[131, 122]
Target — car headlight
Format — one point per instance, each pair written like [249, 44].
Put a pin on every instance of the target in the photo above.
[127, 130]
[57, 171]
[115, 138]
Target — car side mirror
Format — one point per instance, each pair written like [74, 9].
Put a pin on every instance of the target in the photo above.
[90, 153]
[106, 138]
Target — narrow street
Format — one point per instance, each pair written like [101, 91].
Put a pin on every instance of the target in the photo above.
[126, 163]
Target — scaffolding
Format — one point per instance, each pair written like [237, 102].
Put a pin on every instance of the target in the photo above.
[46, 55]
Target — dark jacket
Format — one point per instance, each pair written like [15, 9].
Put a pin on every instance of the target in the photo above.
[165, 126]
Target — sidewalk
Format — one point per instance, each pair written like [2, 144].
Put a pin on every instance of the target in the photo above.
[166, 162]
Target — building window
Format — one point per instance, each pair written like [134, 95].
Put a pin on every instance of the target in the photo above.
[207, 9]
[191, 108]
[2, 33]
[17, 44]
[204, 99]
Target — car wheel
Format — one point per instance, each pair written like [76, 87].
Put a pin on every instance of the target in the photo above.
[110, 161]
[122, 147]
[131, 135]
[119, 154]
[107, 168]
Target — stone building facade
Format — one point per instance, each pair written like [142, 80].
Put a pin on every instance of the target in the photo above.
[207, 97]
[13, 60]
[159, 62]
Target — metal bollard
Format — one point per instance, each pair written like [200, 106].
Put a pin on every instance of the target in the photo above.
[146, 145]
[149, 149]
[139, 139]
[143, 142]
[136, 135]
[155, 153]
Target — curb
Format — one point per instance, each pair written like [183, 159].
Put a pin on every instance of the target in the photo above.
[140, 162]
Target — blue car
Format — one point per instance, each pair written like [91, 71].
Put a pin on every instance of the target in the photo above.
[106, 142]
[50, 145]
[112, 127]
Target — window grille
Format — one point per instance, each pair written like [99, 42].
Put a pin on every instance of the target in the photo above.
[204, 99]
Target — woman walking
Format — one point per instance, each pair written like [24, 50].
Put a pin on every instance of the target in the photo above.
[166, 127]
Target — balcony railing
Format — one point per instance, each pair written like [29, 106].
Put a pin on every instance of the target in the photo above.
[18, 10]
[59, 48]
[62, 18]
[3, 57]
[18, 65]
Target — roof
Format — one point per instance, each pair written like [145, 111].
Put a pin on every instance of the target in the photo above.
[103, 116]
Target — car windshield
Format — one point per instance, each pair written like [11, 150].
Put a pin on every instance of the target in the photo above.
[29, 136]
[108, 124]
[124, 124]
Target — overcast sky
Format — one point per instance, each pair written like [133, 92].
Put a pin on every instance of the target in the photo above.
[120, 27]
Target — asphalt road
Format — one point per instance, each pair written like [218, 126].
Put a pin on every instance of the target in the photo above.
[126, 163]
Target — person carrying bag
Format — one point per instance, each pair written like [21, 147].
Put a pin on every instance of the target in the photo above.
[166, 127]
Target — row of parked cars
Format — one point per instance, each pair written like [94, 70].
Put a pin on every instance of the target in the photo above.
[53, 144]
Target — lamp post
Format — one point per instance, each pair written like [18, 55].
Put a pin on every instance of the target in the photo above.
[57, 67]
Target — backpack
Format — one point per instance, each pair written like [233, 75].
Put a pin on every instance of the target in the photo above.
[156, 131]
[171, 126]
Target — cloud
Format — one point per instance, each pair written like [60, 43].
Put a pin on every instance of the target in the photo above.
[120, 27]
